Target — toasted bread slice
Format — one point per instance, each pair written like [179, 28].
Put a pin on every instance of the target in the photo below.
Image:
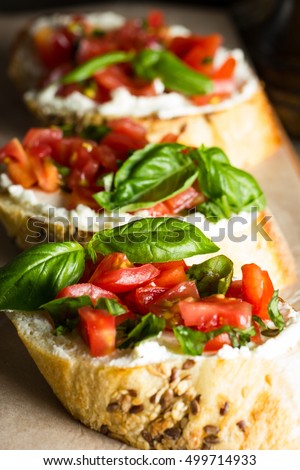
[171, 401]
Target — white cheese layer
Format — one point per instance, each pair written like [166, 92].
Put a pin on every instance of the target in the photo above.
[123, 103]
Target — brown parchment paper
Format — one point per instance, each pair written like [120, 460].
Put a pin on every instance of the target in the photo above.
[30, 415]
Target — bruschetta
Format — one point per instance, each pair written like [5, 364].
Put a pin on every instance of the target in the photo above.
[83, 69]
[184, 357]
[59, 187]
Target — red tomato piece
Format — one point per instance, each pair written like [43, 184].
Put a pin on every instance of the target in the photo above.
[98, 330]
[213, 313]
[37, 137]
[86, 288]
[14, 149]
[46, 174]
[126, 316]
[123, 280]
[171, 277]
[147, 295]
[184, 200]
[129, 127]
[217, 343]
[181, 46]
[155, 19]
[226, 70]
[111, 262]
[183, 290]
[90, 47]
[171, 265]
[54, 47]
[257, 289]
[158, 210]
[21, 173]
[235, 290]
[268, 291]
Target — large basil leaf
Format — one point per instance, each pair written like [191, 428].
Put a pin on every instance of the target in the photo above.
[192, 342]
[153, 240]
[149, 176]
[229, 190]
[213, 276]
[36, 275]
[173, 72]
[149, 327]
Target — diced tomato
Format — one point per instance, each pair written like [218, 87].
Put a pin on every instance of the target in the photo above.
[98, 329]
[116, 274]
[171, 265]
[171, 277]
[123, 280]
[155, 19]
[213, 313]
[257, 289]
[158, 210]
[169, 138]
[226, 70]
[21, 173]
[181, 46]
[111, 262]
[143, 297]
[172, 296]
[54, 47]
[36, 137]
[257, 339]
[15, 150]
[46, 174]
[78, 290]
[90, 47]
[217, 343]
[129, 127]
[235, 290]
[112, 77]
[184, 200]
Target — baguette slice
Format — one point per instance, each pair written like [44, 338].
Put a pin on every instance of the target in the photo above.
[268, 247]
[245, 128]
[171, 401]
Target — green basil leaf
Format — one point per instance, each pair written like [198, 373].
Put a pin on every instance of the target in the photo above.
[229, 190]
[93, 132]
[149, 176]
[112, 306]
[213, 276]
[149, 326]
[66, 308]
[39, 273]
[192, 342]
[152, 240]
[174, 73]
[87, 70]
[274, 312]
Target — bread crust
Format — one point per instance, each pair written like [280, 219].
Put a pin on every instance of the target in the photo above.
[243, 403]
[268, 247]
[248, 131]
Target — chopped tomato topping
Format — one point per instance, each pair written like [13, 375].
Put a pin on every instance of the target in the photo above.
[213, 313]
[257, 289]
[171, 277]
[155, 19]
[184, 200]
[98, 329]
[113, 274]
[78, 290]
